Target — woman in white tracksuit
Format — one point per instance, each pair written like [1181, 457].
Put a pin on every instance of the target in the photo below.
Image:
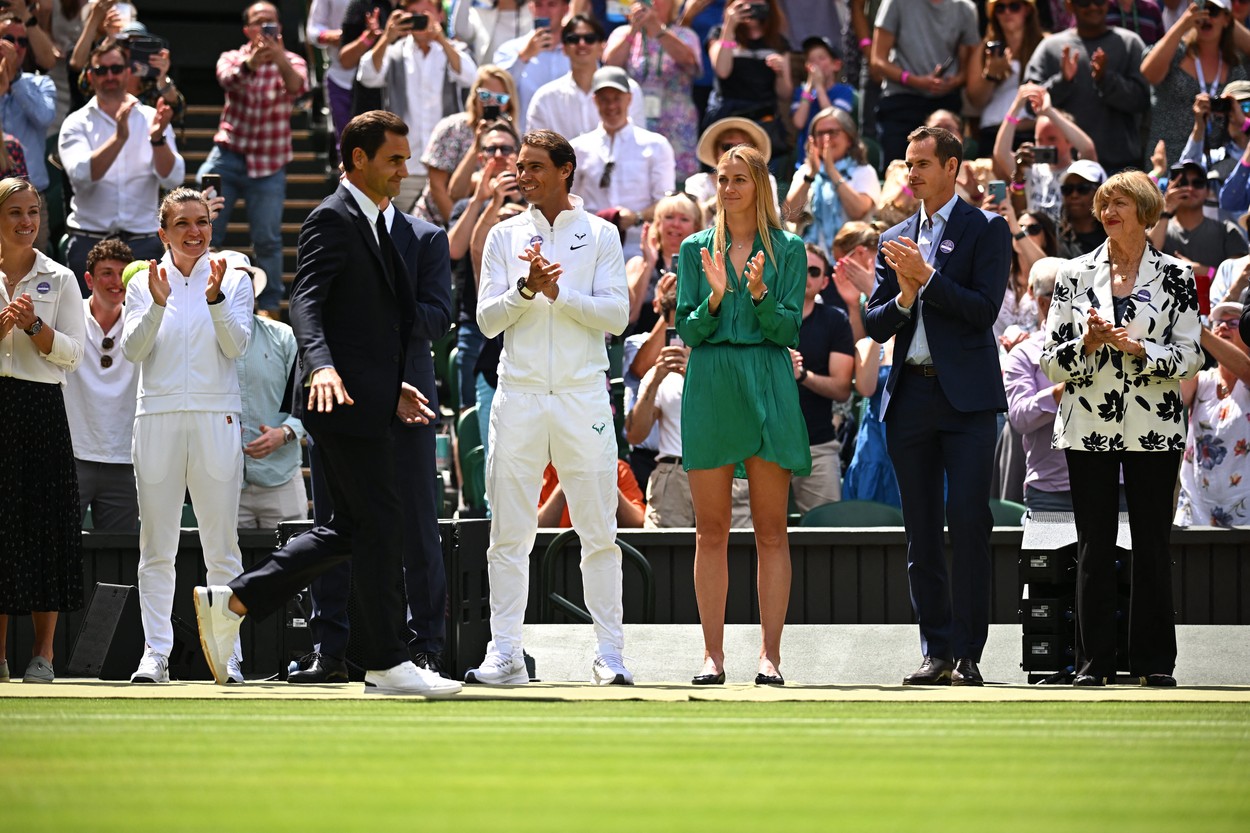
[187, 319]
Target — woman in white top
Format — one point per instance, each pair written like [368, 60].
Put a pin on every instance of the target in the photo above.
[41, 337]
[835, 182]
[187, 319]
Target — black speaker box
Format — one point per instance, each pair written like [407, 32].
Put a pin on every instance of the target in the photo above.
[110, 641]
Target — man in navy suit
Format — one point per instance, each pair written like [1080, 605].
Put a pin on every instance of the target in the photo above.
[424, 250]
[353, 311]
[941, 277]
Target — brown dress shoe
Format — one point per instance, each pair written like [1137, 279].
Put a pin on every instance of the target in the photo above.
[966, 673]
[932, 671]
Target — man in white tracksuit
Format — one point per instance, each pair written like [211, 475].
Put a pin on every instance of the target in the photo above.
[187, 423]
[553, 282]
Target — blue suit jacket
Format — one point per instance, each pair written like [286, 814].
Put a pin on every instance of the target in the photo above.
[427, 259]
[960, 304]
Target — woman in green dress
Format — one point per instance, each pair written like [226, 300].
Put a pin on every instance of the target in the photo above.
[739, 306]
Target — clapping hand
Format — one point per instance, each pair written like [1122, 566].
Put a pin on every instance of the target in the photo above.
[903, 256]
[158, 283]
[1098, 63]
[755, 277]
[413, 406]
[714, 271]
[216, 273]
[1069, 63]
[123, 118]
[20, 313]
[164, 114]
[543, 276]
[1097, 331]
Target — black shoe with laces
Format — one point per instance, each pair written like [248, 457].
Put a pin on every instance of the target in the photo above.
[431, 661]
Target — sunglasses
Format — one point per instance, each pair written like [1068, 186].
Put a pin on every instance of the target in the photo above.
[487, 97]
[112, 69]
[1245, 105]
[1077, 188]
[498, 150]
[828, 134]
[1014, 8]
[1031, 229]
[16, 41]
[574, 39]
[1191, 182]
[606, 180]
[1214, 11]
[106, 361]
[1085, 4]
[685, 194]
[815, 271]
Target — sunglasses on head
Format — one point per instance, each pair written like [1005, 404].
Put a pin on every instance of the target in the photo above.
[16, 41]
[685, 194]
[111, 69]
[1013, 7]
[1085, 4]
[1031, 229]
[487, 97]
[1077, 188]
[590, 39]
[498, 150]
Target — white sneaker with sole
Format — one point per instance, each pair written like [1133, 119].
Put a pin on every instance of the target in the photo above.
[407, 678]
[608, 669]
[234, 671]
[497, 669]
[39, 671]
[153, 668]
[219, 629]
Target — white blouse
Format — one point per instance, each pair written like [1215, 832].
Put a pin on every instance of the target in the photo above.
[58, 301]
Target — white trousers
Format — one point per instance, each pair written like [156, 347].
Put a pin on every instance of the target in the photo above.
[574, 432]
[173, 453]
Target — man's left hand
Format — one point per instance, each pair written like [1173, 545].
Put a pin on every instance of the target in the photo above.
[413, 406]
[903, 256]
[269, 441]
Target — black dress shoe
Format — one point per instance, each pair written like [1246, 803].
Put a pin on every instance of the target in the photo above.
[320, 670]
[769, 679]
[1089, 681]
[932, 671]
[709, 679]
[966, 673]
[430, 661]
[1159, 681]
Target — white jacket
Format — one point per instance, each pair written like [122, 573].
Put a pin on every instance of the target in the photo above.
[186, 349]
[554, 346]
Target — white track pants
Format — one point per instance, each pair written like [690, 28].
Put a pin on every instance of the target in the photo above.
[173, 453]
[574, 432]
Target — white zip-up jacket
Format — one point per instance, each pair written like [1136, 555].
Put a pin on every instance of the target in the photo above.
[186, 349]
[554, 346]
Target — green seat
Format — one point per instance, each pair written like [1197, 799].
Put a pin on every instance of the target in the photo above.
[452, 380]
[188, 516]
[1007, 512]
[473, 489]
[468, 432]
[853, 513]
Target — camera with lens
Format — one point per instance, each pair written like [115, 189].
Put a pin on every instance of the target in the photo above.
[758, 11]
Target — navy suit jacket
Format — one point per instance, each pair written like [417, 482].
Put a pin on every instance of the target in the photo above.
[427, 260]
[960, 303]
[352, 310]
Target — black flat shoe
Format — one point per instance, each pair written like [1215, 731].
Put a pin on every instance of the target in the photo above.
[709, 679]
[1159, 681]
[769, 679]
[1088, 681]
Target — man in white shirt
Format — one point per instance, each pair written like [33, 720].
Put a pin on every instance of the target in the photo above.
[325, 30]
[118, 155]
[621, 166]
[536, 57]
[567, 104]
[412, 63]
[100, 397]
[553, 282]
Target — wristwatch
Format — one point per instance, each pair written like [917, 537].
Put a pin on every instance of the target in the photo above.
[760, 300]
[288, 435]
[35, 328]
[524, 290]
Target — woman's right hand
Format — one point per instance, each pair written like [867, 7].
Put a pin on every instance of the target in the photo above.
[1097, 331]
[714, 271]
[158, 283]
[650, 251]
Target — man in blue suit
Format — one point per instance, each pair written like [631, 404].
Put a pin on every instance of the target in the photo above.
[941, 277]
[353, 312]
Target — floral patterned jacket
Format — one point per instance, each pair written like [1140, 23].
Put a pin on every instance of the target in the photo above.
[1113, 401]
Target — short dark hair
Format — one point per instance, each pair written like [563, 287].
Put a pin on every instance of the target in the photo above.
[946, 145]
[503, 126]
[109, 45]
[253, 5]
[109, 250]
[368, 132]
[577, 19]
[557, 147]
[817, 251]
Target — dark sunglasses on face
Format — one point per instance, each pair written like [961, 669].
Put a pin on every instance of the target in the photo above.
[1077, 188]
[16, 41]
[574, 39]
[1085, 4]
[1191, 182]
[488, 97]
[498, 150]
[1031, 229]
[815, 271]
[112, 69]
[1014, 8]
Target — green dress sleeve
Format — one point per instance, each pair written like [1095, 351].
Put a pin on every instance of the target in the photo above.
[695, 322]
[781, 313]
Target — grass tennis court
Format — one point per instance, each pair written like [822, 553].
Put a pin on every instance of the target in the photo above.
[209, 765]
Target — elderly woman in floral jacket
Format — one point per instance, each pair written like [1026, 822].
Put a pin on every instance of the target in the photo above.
[1122, 333]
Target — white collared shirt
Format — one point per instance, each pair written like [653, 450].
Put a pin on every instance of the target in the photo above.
[564, 107]
[100, 401]
[367, 206]
[58, 301]
[547, 65]
[127, 197]
[918, 351]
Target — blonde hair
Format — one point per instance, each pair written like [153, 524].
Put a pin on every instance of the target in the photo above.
[1139, 188]
[765, 211]
[854, 234]
[682, 202]
[14, 185]
[473, 105]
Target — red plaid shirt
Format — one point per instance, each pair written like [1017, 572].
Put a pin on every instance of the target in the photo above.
[256, 121]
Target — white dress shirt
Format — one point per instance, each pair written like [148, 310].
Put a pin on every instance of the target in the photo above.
[327, 16]
[100, 401]
[546, 66]
[918, 350]
[127, 197]
[58, 301]
[562, 106]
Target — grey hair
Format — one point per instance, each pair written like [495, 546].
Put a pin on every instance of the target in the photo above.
[1042, 276]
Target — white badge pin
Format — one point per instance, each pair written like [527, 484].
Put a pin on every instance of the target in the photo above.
[947, 247]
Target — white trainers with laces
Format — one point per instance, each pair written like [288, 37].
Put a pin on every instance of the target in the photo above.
[608, 669]
[497, 669]
[234, 671]
[219, 629]
[153, 668]
[407, 678]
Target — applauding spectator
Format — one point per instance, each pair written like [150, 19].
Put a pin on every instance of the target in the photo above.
[835, 182]
[751, 60]
[27, 108]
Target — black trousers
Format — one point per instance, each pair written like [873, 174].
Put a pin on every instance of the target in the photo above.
[1149, 479]
[360, 473]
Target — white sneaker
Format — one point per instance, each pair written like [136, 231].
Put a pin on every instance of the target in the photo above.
[497, 669]
[234, 670]
[407, 678]
[608, 669]
[153, 668]
[219, 629]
